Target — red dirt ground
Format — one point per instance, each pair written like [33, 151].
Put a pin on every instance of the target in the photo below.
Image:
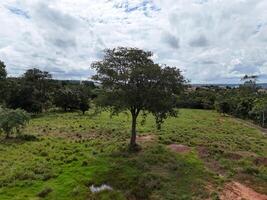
[238, 191]
[145, 138]
[179, 148]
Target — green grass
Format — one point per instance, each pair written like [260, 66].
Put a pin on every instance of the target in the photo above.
[73, 151]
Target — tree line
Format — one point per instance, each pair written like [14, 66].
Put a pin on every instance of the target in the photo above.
[247, 101]
[35, 92]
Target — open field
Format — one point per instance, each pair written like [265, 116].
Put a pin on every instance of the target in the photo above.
[71, 152]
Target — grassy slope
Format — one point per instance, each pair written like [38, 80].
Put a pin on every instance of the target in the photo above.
[74, 152]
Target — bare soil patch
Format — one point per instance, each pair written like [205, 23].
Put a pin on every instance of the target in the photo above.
[261, 161]
[179, 148]
[145, 138]
[210, 163]
[238, 191]
[233, 156]
[203, 152]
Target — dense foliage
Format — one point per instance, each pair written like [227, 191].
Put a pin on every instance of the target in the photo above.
[3, 75]
[69, 98]
[35, 92]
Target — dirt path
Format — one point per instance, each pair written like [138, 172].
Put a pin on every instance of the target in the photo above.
[238, 191]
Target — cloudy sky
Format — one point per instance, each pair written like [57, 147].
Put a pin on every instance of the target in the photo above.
[211, 41]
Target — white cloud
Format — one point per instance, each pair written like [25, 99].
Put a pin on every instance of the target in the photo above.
[210, 40]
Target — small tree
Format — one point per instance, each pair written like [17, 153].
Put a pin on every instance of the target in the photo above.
[84, 104]
[259, 110]
[84, 94]
[250, 85]
[132, 81]
[12, 120]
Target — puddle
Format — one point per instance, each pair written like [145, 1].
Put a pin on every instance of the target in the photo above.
[101, 188]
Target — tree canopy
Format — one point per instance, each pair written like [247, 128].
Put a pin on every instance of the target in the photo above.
[3, 72]
[30, 92]
[3, 75]
[132, 81]
[73, 98]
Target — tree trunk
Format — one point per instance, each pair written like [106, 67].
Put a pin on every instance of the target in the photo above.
[133, 136]
[7, 135]
[263, 119]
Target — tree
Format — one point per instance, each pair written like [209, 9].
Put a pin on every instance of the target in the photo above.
[73, 98]
[11, 120]
[25, 97]
[259, 110]
[3, 72]
[39, 81]
[3, 75]
[84, 94]
[133, 82]
[66, 98]
[250, 85]
[84, 104]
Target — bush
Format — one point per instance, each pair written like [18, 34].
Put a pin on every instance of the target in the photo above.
[44, 192]
[28, 137]
[12, 120]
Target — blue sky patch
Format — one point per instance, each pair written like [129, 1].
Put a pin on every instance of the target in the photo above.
[19, 12]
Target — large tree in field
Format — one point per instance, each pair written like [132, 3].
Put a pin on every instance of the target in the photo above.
[132, 81]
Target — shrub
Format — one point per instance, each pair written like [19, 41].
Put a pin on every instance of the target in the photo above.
[44, 192]
[12, 120]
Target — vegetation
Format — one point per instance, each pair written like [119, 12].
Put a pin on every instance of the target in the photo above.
[11, 120]
[3, 75]
[76, 151]
[62, 154]
[72, 99]
[36, 92]
[247, 101]
[132, 81]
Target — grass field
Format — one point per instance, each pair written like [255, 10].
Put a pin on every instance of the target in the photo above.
[71, 152]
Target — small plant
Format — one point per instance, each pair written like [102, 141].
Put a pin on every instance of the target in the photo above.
[85, 163]
[12, 120]
[44, 192]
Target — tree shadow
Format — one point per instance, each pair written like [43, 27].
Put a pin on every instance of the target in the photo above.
[20, 139]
